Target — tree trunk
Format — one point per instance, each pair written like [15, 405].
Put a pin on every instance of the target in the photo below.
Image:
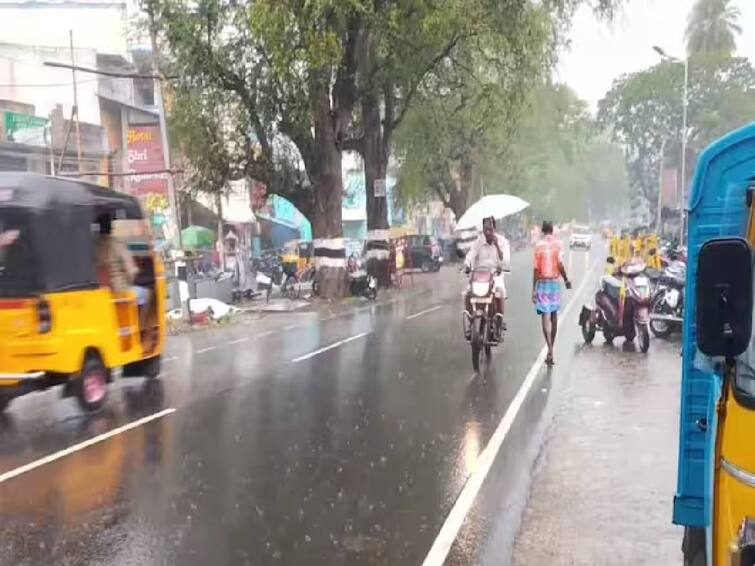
[459, 196]
[327, 180]
[375, 162]
[375, 156]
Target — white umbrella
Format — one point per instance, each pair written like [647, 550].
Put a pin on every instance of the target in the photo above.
[497, 206]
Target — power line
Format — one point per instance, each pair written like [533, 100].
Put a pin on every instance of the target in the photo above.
[45, 85]
[105, 72]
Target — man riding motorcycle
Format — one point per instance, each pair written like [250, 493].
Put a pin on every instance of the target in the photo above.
[490, 251]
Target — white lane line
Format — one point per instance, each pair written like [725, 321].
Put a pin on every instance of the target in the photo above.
[291, 327]
[330, 347]
[239, 340]
[451, 526]
[426, 311]
[171, 359]
[14, 473]
[205, 350]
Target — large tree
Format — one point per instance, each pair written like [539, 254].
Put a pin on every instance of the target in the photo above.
[644, 112]
[712, 28]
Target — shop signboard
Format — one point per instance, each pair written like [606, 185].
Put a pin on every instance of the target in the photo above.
[145, 158]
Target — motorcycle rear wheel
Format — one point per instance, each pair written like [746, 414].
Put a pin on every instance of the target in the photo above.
[660, 328]
[588, 331]
[608, 336]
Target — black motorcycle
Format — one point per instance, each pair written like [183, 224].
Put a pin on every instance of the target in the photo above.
[479, 324]
[269, 270]
[361, 282]
[667, 307]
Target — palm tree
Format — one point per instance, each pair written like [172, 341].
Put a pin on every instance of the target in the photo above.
[712, 28]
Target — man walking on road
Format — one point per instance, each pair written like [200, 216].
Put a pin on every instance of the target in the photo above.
[546, 287]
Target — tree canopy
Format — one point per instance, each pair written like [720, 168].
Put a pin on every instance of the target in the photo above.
[643, 111]
[712, 28]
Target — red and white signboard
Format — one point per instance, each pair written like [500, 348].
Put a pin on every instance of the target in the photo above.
[145, 155]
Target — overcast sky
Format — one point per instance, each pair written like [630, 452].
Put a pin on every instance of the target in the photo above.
[600, 51]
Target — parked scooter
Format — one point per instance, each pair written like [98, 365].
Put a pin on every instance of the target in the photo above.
[361, 283]
[667, 307]
[622, 307]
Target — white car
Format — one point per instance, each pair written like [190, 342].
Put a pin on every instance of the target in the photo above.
[581, 238]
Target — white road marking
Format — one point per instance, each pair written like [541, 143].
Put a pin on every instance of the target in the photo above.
[291, 327]
[426, 311]
[239, 340]
[330, 347]
[451, 526]
[14, 473]
[268, 333]
[171, 359]
[205, 350]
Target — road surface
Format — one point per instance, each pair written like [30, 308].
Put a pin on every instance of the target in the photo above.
[297, 439]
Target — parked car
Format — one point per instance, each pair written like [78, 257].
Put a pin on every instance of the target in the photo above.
[581, 238]
[424, 252]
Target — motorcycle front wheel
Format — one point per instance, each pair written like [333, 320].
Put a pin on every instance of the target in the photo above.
[476, 343]
[643, 335]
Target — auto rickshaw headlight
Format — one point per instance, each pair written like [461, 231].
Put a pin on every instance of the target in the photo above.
[743, 548]
[44, 315]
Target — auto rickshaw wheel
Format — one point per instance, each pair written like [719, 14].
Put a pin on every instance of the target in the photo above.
[151, 367]
[693, 547]
[91, 390]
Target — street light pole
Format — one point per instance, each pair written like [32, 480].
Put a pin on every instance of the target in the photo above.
[685, 102]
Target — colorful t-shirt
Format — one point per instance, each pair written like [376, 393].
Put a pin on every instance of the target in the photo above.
[548, 255]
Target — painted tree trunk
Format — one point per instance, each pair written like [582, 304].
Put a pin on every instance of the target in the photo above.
[375, 155]
[326, 174]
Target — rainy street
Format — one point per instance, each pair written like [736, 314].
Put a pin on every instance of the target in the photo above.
[304, 438]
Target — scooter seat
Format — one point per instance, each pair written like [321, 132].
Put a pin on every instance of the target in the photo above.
[611, 286]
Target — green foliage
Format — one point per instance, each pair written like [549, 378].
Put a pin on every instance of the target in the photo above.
[547, 152]
[712, 28]
[644, 109]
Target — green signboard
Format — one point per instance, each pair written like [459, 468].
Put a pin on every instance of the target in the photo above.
[24, 128]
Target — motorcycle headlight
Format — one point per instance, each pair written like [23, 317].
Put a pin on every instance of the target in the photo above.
[480, 289]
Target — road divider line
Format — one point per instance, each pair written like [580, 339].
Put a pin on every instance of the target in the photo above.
[455, 519]
[330, 347]
[239, 340]
[426, 311]
[291, 327]
[171, 359]
[14, 473]
[205, 350]
[268, 333]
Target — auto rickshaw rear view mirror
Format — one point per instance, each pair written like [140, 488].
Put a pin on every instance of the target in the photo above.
[724, 297]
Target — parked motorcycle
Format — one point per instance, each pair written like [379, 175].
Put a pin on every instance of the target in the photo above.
[361, 283]
[667, 306]
[622, 307]
[480, 324]
[269, 271]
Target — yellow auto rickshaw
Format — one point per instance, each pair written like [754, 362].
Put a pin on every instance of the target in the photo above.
[296, 256]
[60, 322]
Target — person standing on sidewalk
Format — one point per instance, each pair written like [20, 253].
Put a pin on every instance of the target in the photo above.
[546, 287]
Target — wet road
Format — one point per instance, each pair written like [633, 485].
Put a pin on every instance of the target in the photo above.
[294, 439]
